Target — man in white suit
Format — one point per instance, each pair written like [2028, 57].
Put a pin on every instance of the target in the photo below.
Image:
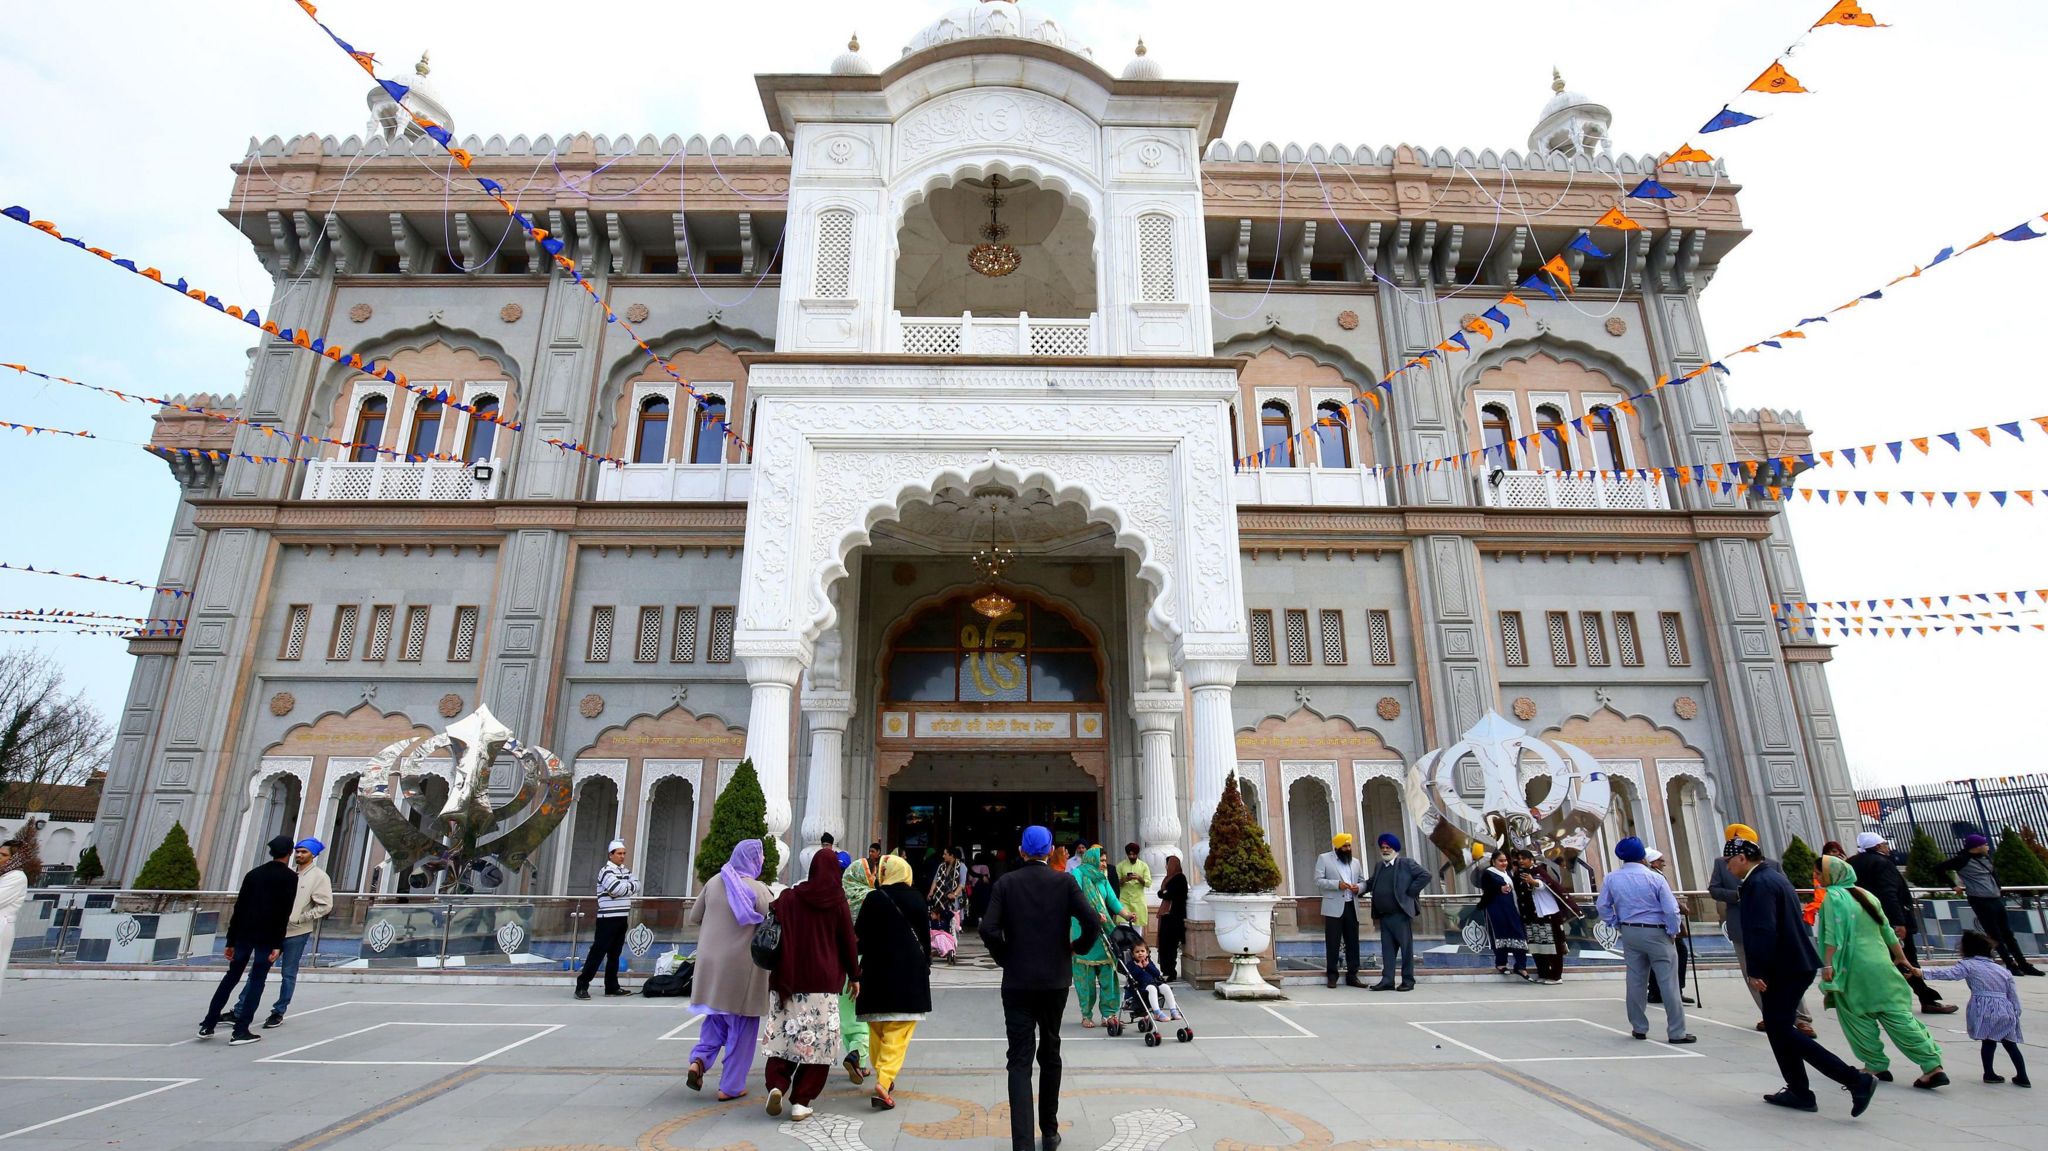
[1340, 878]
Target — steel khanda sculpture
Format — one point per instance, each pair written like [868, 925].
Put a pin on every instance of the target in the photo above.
[469, 833]
[1578, 793]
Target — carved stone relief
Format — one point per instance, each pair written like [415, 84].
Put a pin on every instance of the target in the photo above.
[1002, 118]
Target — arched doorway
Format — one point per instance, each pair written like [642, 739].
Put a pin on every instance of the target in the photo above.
[1309, 808]
[671, 836]
[1692, 836]
[594, 821]
[1304, 759]
[1382, 811]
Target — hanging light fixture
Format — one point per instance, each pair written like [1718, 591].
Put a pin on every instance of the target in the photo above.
[992, 257]
[995, 559]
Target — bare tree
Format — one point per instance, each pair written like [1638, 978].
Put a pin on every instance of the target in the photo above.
[47, 738]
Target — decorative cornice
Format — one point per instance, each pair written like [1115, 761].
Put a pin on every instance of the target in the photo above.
[1794, 652]
[727, 521]
[1504, 529]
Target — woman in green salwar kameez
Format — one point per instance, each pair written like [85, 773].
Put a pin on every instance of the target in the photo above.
[1861, 980]
[853, 1034]
[1094, 972]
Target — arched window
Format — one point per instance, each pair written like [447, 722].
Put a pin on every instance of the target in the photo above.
[709, 447]
[1276, 435]
[1555, 448]
[369, 435]
[1497, 435]
[1606, 437]
[426, 427]
[1333, 439]
[483, 429]
[650, 440]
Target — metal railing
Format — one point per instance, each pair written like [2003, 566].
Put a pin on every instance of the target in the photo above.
[399, 480]
[1949, 811]
[1574, 490]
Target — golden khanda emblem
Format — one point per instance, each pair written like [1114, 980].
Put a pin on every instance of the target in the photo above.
[995, 655]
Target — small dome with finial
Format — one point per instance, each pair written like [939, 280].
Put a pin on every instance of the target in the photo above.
[851, 62]
[388, 120]
[1143, 67]
[1571, 123]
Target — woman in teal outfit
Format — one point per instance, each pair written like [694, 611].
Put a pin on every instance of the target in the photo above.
[1861, 979]
[1094, 973]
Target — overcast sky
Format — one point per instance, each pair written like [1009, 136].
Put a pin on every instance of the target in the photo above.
[124, 118]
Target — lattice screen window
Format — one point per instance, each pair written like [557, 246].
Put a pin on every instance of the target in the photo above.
[1593, 637]
[719, 648]
[1626, 645]
[297, 620]
[1512, 652]
[685, 649]
[343, 641]
[1297, 637]
[1155, 258]
[462, 638]
[377, 645]
[1330, 630]
[647, 637]
[1262, 636]
[1379, 634]
[600, 648]
[1673, 628]
[1559, 624]
[414, 649]
[941, 339]
[834, 277]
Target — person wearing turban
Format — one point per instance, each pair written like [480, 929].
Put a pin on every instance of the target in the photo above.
[1727, 891]
[1396, 885]
[1133, 884]
[1340, 878]
[1639, 905]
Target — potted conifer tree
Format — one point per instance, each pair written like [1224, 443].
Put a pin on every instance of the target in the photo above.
[740, 812]
[1242, 882]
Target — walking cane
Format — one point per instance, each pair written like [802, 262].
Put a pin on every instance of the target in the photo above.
[1693, 968]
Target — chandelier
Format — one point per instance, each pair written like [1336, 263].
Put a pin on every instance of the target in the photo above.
[994, 559]
[992, 257]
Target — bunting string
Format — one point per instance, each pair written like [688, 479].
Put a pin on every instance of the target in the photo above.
[1799, 622]
[60, 614]
[229, 418]
[174, 592]
[552, 245]
[2016, 595]
[1926, 630]
[117, 633]
[300, 338]
[37, 429]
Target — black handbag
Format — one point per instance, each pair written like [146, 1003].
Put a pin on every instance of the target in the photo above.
[767, 943]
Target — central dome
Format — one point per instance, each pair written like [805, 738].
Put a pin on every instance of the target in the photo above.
[994, 19]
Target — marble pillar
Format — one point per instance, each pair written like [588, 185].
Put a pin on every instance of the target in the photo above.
[772, 681]
[1159, 825]
[1215, 739]
[827, 714]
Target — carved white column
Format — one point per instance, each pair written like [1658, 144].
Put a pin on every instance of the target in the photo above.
[825, 793]
[1215, 737]
[1158, 813]
[773, 682]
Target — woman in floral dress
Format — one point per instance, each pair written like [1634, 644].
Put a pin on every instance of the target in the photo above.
[818, 959]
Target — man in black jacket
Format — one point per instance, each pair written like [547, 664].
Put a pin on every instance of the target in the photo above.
[1878, 873]
[1780, 962]
[256, 927]
[1026, 930]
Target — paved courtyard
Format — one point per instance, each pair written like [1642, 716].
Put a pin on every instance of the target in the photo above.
[105, 1063]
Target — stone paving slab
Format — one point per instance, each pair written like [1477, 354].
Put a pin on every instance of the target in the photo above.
[1455, 1065]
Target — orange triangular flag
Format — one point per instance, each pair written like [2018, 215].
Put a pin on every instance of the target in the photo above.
[1481, 326]
[1688, 155]
[1919, 442]
[1923, 632]
[1511, 298]
[1848, 14]
[1829, 457]
[1883, 498]
[1776, 81]
[2027, 496]
[1972, 497]
[1557, 267]
[1982, 434]
[1615, 219]
[1808, 493]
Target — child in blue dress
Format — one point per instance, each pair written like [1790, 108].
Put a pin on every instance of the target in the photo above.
[1994, 1004]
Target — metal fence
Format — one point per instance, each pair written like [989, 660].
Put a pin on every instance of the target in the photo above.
[1949, 811]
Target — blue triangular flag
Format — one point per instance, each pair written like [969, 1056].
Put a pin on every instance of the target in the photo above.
[1894, 447]
[396, 90]
[2024, 231]
[1771, 344]
[1650, 189]
[1951, 440]
[491, 186]
[1811, 320]
[1944, 254]
[1876, 295]
[2013, 428]
[1495, 315]
[1582, 243]
[440, 135]
[15, 212]
[2000, 497]
[1727, 118]
[1950, 497]
[1537, 283]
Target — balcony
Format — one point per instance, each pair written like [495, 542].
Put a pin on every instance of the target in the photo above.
[1574, 491]
[676, 483]
[436, 480]
[1018, 335]
[1309, 487]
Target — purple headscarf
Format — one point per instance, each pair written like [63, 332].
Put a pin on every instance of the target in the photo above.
[744, 864]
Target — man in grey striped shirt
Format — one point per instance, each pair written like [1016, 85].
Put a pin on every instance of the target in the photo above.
[616, 888]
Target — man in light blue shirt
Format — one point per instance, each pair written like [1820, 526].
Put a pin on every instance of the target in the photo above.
[1638, 903]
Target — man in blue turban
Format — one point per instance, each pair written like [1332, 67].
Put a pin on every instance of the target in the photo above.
[1396, 887]
[1638, 903]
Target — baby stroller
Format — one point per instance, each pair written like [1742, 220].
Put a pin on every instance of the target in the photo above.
[1120, 942]
[944, 946]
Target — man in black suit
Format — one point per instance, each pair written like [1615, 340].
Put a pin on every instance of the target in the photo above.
[256, 927]
[1026, 930]
[1878, 873]
[1780, 962]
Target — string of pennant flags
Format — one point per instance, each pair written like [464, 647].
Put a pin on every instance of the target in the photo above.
[230, 418]
[550, 244]
[98, 626]
[2029, 497]
[1892, 631]
[39, 430]
[173, 592]
[1772, 81]
[2017, 595]
[58, 615]
[300, 338]
[1496, 320]
[1802, 621]
[116, 633]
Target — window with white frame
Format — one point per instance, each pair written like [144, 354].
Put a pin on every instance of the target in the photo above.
[650, 428]
[833, 276]
[1603, 431]
[1157, 278]
[1276, 434]
[486, 402]
[708, 428]
[370, 415]
[1333, 434]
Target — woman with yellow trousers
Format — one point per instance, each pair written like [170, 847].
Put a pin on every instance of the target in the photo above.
[893, 931]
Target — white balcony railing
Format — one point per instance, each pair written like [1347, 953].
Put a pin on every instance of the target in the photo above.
[677, 482]
[399, 480]
[1568, 490]
[966, 335]
[1309, 487]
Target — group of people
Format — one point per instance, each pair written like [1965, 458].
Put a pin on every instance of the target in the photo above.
[272, 923]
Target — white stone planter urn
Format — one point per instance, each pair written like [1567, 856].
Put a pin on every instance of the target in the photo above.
[1244, 927]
